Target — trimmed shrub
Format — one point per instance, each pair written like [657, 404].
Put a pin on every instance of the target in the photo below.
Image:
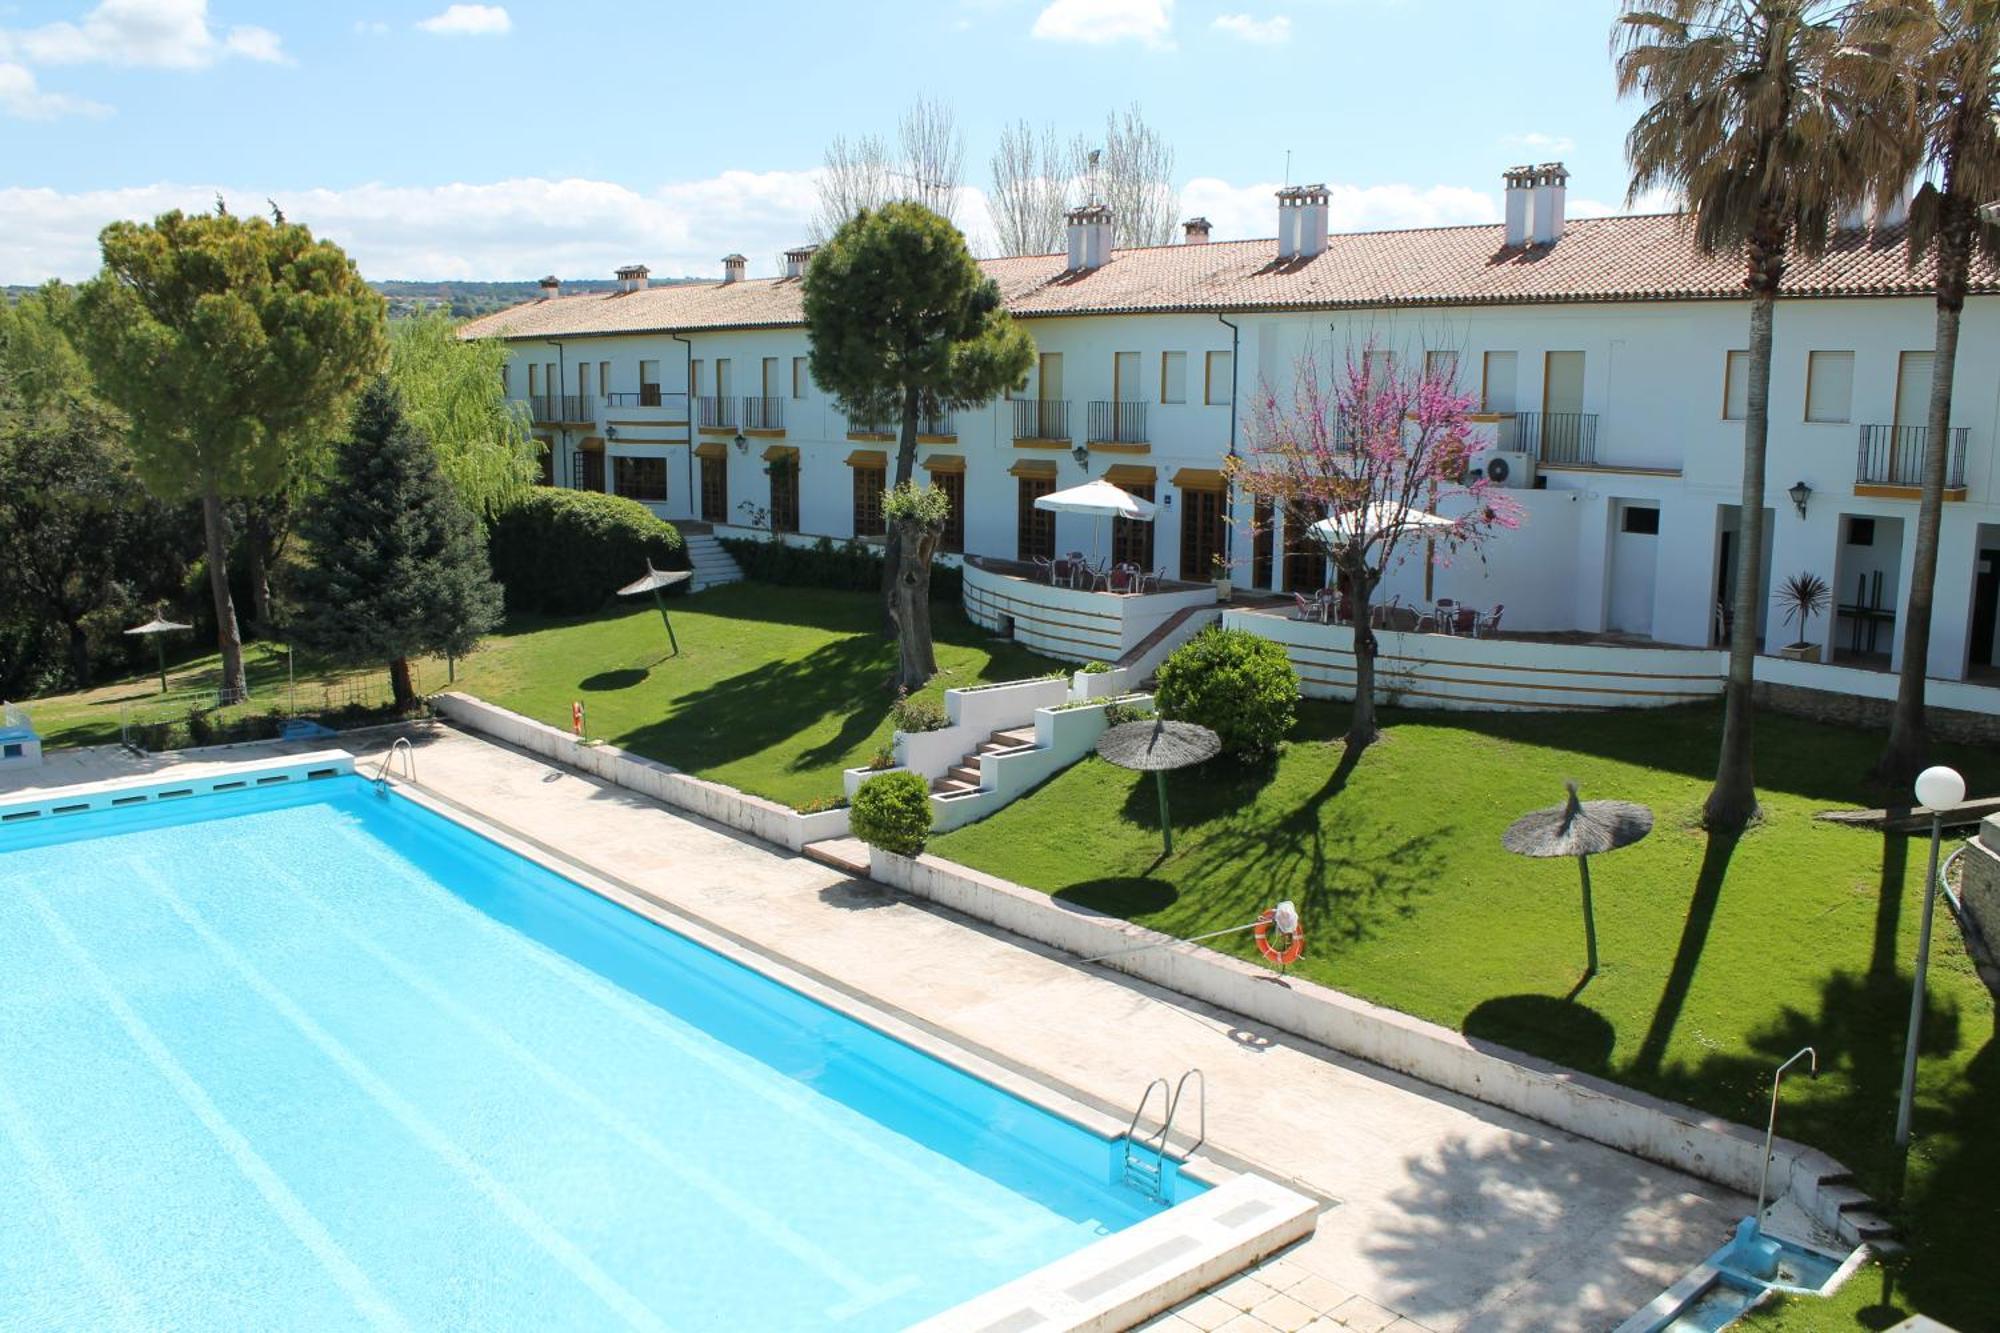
[1094, 668]
[564, 552]
[919, 713]
[1236, 684]
[855, 566]
[893, 812]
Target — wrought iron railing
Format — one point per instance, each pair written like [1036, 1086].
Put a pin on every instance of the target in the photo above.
[1894, 456]
[763, 414]
[1118, 423]
[716, 413]
[936, 423]
[1557, 437]
[1041, 419]
[649, 395]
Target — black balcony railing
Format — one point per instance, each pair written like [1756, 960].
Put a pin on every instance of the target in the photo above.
[553, 407]
[649, 395]
[937, 424]
[1894, 456]
[1555, 437]
[1041, 419]
[763, 414]
[1118, 423]
[717, 413]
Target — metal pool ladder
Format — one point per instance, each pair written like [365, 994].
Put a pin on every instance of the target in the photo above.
[401, 747]
[1146, 1158]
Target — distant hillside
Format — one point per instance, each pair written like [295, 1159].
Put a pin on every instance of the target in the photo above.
[464, 300]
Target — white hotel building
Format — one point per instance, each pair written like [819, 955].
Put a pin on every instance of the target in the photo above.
[1604, 355]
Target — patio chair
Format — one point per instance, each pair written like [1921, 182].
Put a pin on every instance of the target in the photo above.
[1402, 619]
[1306, 610]
[1124, 577]
[1151, 582]
[1343, 610]
[1097, 576]
[1444, 609]
[1489, 624]
[1045, 567]
[1464, 620]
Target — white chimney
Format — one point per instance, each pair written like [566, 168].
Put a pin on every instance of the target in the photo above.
[796, 260]
[1089, 237]
[551, 287]
[1551, 184]
[1195, 231]
[632, 278]
[1302, 221]
[1520, 204]
[732, 268]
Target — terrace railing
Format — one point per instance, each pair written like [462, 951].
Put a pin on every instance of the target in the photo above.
[1558, 437]
[1041, 419]
[1118, 423]
[649, 395]
[1894, 456]
[763, 414]
[716, 412]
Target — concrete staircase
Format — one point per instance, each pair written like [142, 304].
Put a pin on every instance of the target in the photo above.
[963, 778]
[710, 560]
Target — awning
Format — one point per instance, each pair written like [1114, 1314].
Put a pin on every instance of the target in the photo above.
[1200, 479]
[868, 458]
[591, 444]
[1043, 468]
[1129, 475]
[778, 452]
[711, 449]
[944, 463]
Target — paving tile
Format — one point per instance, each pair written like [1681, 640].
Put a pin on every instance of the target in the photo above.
[1169, 1323]
[1284, 1314]
[1206, 1312]
[1279, 1274]
[1245, 1323]
[1318, 1293]
[1364, 1316]
[1244, 1293]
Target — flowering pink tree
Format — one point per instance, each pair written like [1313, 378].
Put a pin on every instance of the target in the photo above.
[1381, 454]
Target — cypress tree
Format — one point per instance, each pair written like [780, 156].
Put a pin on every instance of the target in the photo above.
[396, 565]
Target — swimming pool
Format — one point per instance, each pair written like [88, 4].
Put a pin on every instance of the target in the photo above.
[315, 1056]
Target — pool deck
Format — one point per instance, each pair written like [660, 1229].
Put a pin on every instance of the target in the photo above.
[1444, 1214]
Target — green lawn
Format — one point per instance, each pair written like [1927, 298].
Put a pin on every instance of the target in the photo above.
[1717, 961]
[775, 689]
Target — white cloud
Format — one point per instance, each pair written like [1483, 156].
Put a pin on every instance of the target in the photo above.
[1274, 31]
[469, 21]
[371, 27]
[1149, 22]
[164, 34]
[22, 98]
[1536, 142]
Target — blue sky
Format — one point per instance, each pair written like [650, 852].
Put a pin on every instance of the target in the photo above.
[455, 140]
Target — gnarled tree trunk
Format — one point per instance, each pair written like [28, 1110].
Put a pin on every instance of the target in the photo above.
[256, 546]
[406, 691]
[892, 538]
[1361, 731]
[215, 527]
[916, 660]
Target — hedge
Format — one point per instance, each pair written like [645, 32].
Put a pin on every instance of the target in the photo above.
[563, 552]
[853, 565]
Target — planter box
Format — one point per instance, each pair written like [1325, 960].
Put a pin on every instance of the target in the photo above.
[1800, 652]
[1098, 684]
[852, 778]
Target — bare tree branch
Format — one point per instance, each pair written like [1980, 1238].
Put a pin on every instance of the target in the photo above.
[1034, 182]
[856, 175]
[933, 156]
[1136, 178]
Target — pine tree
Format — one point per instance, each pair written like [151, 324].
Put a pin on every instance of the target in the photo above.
[396, 565]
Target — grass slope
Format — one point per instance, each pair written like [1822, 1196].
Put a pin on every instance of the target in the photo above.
[1718, 960]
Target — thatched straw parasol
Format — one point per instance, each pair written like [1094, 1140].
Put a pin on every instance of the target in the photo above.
[153, 629]
[1158, 747]
[653, 582]
[1582, 829]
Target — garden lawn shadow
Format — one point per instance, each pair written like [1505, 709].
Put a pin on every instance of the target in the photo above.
[1127, 896]
[1544, 1025]
[623, 679]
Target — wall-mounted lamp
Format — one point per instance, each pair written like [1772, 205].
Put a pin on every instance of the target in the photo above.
[1800, 493]
[1081, 454]
[742, 445]
[611, 432]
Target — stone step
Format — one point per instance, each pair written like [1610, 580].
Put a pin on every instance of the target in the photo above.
[1844, 1197]
[966, 773]
[953, 787]
[1010, 739]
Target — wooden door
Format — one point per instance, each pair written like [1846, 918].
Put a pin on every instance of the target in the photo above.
[715, 490]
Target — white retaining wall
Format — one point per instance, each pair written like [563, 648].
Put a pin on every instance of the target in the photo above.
[1957, 694]
[1448, 671]
[975, 714]
[1062, 736]
[1069, 623]
[754, 815]
[1676, 1136]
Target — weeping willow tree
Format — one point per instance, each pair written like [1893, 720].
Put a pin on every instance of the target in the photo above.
[452, 392]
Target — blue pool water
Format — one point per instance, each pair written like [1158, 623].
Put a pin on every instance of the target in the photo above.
[314, 1057]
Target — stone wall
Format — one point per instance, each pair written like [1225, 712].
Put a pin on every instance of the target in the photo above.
[1858, 710]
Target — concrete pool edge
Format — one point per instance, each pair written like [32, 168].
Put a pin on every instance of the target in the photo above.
[1113, 1283]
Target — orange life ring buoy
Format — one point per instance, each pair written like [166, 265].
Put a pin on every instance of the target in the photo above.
[576, 717]
[1292, 951]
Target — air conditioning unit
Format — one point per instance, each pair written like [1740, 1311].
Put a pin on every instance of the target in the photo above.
[1511, 469]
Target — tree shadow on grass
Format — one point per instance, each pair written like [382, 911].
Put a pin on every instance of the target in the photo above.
[1560, 1030]
[623, 679]
[1687, 957]
[1126, 896]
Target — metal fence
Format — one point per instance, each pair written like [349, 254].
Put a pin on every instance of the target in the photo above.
[1041, 419]
[213, 716]
[1118, 423]
[1894, 456]
[763, 413]
[1557, 437]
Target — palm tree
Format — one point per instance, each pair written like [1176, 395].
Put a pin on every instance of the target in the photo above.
[1938, 92]
[1748, 117]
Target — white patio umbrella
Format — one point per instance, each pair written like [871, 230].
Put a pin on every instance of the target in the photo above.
[1378, 518]
[153, 629]
[1100, 498]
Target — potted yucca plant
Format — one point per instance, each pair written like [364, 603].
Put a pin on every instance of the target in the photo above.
[1803, 596]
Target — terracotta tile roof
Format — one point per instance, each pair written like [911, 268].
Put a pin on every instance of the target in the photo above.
[1598, 259]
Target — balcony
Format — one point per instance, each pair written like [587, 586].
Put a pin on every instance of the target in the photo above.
[763, 416]
[936, 426]
[1556, 439]
[1891, 459]
[716, 412]
[1043, 419]
[650, 395]
[548, 409]
[1117, 423]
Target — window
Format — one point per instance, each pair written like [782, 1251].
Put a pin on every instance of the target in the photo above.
[723, 378]
[1202, 531]
[1562, 383]
[1735, 386]
[1860, 532]
[714, 488]
[770, 377]
[1125, 377]
[604, 378]
[640, 478]
[1051, 387]
[13, 750]
[1219, 379]
[1380, 365]
[583, 379]
[784, 470]
[1034, 529]
[649, 384]
[869, 483]
[534, 380]
[953, 486]
[1499, 374]
[1261, 549]
[1829, 386]
[801, 377]
[505, 389]
[1173, 377]
[1641, 522]
[1441, 367]
[694, 375]
[1132, 539]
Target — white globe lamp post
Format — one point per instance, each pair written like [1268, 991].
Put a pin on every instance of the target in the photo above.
[1938, 789]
